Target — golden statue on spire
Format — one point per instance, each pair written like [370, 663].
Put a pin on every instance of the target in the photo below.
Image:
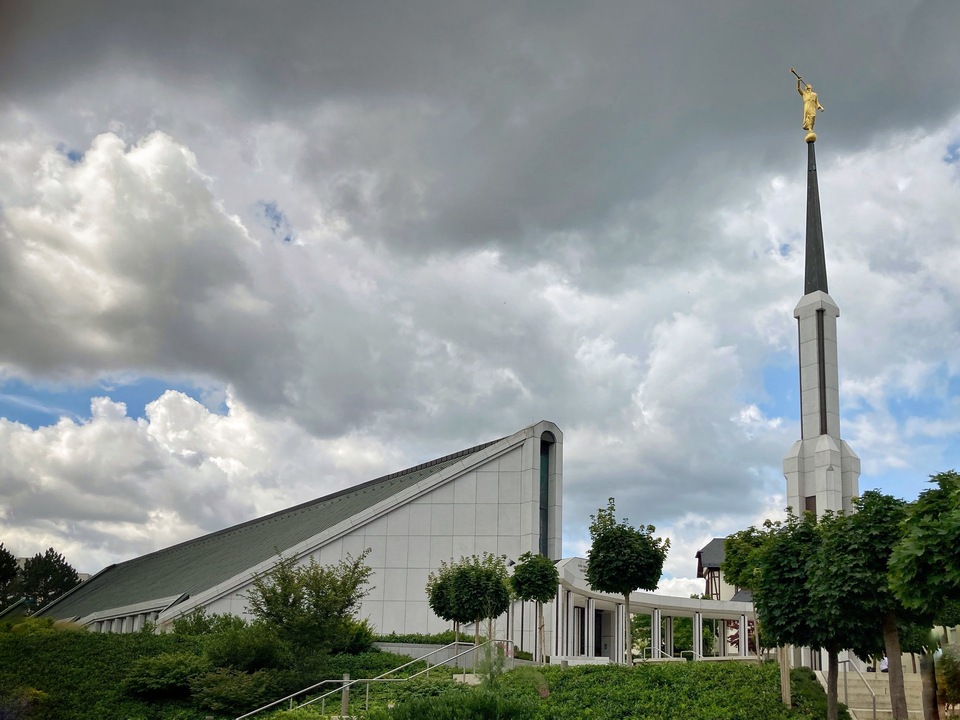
[810, 106]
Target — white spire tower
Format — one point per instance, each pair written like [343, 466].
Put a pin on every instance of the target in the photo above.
[821, 470]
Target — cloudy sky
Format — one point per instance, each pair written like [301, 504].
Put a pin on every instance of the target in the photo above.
[252, 253]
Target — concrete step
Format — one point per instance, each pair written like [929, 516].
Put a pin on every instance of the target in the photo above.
[882, 714]
[859, 699]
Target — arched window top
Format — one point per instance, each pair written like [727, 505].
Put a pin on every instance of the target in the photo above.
[547, 437]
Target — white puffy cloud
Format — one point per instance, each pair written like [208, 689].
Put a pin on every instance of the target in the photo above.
[113, 486]
[125, 259]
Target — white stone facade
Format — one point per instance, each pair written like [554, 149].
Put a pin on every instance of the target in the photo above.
[821, 470]
[489, 502]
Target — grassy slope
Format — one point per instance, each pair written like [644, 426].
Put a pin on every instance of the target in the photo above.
[82, 673]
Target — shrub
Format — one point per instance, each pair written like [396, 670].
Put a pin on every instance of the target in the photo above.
[247, 648]
[231, 691]
[24, 703]
[475, 705]
[355, 636]
[808, 695]
[444, 638]
[199, 623]
[30, 625]
[165, 676]
[948, 674]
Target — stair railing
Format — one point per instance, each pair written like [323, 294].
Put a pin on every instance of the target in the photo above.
[873, 695]
[345, 684]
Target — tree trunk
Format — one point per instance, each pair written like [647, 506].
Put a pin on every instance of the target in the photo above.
[891, 642]
[541, 629]
[783, 653]
[832, 672]
[928, 676]
[476, 631]
[629, 630]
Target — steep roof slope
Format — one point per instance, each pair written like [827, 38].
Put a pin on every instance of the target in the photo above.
[710, 556]
[197, 565]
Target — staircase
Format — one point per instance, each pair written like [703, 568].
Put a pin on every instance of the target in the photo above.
[860, 702]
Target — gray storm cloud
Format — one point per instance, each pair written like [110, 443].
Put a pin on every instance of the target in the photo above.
[489, 217]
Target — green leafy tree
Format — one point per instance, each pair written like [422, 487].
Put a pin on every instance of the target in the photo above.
[441, 599]
[741, 565]
[45, 577]
[924, 566]
[480, 590]
[741, 562]
[309, 606]
[471, 590]
[622, 559]
[535, 578]
[849, 586]
[780, 594]
[9, 592]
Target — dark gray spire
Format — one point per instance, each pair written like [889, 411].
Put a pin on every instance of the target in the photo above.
[815, 277]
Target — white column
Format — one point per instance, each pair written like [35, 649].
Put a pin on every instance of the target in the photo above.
[618, 645]
[697, 635]
[744, 636]
[668, 636]
[655, 633]
[560, 616]
[591, 621]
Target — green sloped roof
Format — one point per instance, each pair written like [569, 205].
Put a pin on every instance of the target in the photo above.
[197, 565]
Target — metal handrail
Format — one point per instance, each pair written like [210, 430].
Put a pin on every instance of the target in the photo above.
[380, 678]
[384, 678]
[873, 695]
[327, 682]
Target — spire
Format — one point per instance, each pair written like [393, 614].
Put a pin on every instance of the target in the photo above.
[821, 470]
[815, 277]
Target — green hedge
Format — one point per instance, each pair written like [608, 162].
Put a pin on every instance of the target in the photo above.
[670, 691]
[82, 673]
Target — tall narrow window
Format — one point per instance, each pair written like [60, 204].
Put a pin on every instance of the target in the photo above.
[546, 444]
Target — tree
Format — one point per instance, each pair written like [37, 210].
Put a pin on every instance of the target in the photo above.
[849, 585]
[9, 592]
[45, 577]
[824, 585]
[741, 561]
[472, 590]
[441, 599]
[924, 566]
[740, 567]
[310, 606]
[535, 577]
[622, 559]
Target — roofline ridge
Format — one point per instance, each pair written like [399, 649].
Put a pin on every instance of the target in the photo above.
[325, 498]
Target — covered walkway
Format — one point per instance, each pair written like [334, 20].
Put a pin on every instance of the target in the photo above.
[589, 626]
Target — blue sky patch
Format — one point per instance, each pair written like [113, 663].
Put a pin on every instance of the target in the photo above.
[953, 153]
[278, 223]
[74, 156]
[781, 384]
[41, 405]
